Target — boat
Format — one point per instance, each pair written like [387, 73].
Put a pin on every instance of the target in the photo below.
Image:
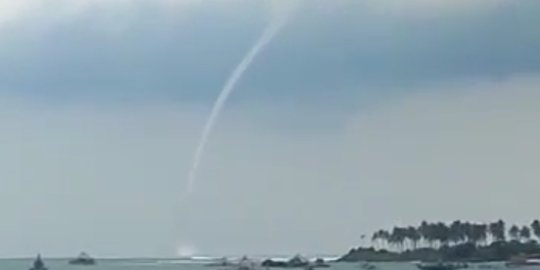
[221, 263]
[274, 263]
[486, 266]
[38, 264]
[246, 264]
[519, 261]
[295, 262]
[320, 263]
[441, 266]
[298, 261]
[83, 259]
[368, 266]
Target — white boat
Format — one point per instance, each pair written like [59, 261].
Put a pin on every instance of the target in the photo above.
[83, 259]
[519, 261]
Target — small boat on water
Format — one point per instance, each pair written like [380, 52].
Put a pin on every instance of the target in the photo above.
[441, 266]
[486, 266]
[520, 261]
[221, 263]
[368, 266]
[38, 264]
[243, 264]
[246, 264]
[295, 262]
[269, 263]
[320, 263]
[83, 259]
[298, 261]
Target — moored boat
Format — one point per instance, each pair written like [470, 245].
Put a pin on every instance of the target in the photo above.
[368, 266]
[320, 263]
[38, 264]
[222, 262]
[247, 264]
[441, 266]
[83, 259]
[519, 261]
[295, 262]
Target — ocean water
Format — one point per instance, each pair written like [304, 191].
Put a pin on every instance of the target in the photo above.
[163, 264]
[170, 264]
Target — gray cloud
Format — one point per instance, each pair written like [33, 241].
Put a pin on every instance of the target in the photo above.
[111, 177]
[146, 51]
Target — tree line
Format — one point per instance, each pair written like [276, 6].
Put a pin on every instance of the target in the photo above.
[440, 234]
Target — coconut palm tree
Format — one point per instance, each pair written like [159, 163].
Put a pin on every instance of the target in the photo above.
[536, 228]
[514, 232]
[457, 234]
[443, 233]
[379, 238]
[475, 234]
[498, 230]
[467, 228]
[398, 237]
[440, 234]
[525, 234]
[426, 231]
[375, 238]
[385, 236]
[414, 236]
[482, 233]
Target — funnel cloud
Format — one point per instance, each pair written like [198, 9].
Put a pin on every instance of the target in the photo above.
[280, 14]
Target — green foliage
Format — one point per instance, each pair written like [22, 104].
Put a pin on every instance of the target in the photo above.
[514, 232]
[460, 241]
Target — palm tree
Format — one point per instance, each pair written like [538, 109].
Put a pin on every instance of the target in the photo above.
[536, 228]
[445, 232]
[467, 228]
[379, 238]
[525, 233]
[414, 236]
[425, 231]
[385, 236]
[398, 237]
[457, 234]
[393, 239]
[375, 238]
[478, 233]
[482, 233]
[498, 230]
[441, 233]
[514, 232]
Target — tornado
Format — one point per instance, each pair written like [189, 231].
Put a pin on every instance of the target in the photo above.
[281, 14]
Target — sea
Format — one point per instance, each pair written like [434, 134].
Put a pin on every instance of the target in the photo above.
[175, 264]
[163, 264]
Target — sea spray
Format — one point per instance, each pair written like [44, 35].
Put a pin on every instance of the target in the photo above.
[281, 12]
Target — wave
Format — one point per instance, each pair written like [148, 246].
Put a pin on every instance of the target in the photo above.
[203, 258]
[190, 260]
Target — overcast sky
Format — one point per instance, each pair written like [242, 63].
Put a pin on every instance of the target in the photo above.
[359, 115]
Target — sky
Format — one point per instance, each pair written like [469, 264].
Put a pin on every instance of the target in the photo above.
[359, 115]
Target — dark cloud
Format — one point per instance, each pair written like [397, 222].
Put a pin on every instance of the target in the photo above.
[325, 48]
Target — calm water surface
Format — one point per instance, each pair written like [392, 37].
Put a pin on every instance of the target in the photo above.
[162, 264]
